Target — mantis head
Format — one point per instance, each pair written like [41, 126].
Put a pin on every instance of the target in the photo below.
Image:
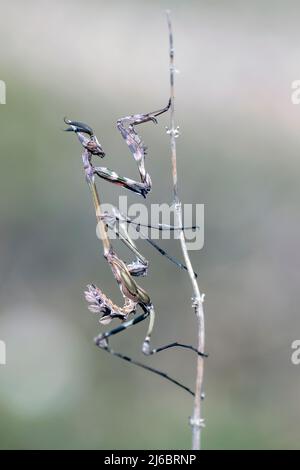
[86, 137]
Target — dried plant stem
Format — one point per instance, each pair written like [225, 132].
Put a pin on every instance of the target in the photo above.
[196, 420]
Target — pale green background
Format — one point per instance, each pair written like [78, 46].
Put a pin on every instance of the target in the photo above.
[239, 154]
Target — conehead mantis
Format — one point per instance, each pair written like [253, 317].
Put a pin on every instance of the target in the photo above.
[135, 297]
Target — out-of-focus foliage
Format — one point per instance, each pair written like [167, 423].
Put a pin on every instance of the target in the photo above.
[238, 153]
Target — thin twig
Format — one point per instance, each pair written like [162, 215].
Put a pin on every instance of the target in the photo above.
[196, 420]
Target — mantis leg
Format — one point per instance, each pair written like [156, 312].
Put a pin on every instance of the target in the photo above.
[148, 351]
[150, 369]
[102, 339]
[102, 342]
[118, 223]
[141, 188]
[137, 148]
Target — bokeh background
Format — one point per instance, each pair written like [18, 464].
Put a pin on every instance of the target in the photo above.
[239, 154]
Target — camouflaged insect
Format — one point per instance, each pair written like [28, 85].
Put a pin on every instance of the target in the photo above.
[134, 295]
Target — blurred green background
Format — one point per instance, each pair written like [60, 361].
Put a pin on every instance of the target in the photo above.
[238, 154]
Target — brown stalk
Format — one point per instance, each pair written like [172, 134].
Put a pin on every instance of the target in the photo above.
[196, 420]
